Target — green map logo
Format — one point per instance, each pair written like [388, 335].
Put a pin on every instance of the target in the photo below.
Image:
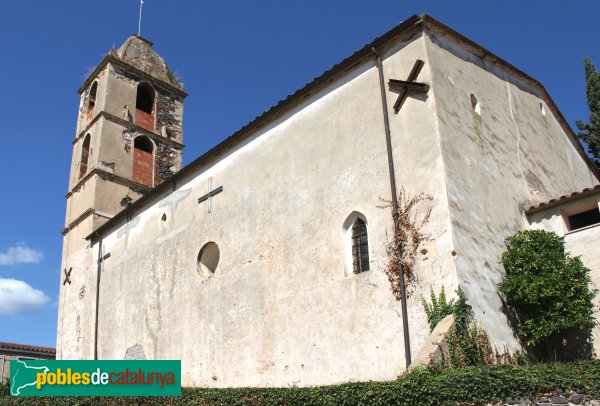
[24, 376]
[95, 378]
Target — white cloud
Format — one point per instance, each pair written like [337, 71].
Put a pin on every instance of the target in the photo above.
[20, 254]
[17, 296]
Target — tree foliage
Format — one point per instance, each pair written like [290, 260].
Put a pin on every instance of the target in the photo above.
[590, 132]
[548, 289]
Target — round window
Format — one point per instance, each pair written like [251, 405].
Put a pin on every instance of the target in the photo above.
[208, 259]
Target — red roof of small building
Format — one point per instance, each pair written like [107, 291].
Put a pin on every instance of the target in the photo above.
[26, 347]
[562, 199]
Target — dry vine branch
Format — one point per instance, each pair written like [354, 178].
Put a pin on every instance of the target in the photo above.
[402, 250]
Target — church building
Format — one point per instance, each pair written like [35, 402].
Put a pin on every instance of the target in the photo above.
[262, 262]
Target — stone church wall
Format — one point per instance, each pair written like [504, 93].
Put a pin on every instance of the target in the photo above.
[282, 307]
[503, 150]
[77, 299]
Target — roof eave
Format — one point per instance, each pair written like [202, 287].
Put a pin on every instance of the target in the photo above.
[562, 200]
[111, 58]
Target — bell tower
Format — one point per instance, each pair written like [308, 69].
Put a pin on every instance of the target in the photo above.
[129, 139]
[129, 134]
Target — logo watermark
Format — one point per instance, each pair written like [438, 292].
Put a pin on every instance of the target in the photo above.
[95, 378]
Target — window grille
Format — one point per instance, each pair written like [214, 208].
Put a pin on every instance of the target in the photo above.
[360, 247]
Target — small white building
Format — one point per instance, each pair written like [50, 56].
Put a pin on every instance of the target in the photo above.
[262, 263]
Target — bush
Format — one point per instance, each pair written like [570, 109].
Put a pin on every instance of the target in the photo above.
[472, 385]
[468, 343]
[438, 309]
[4, 389]
[548, 289]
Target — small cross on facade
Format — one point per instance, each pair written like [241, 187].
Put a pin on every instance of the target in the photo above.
[104, 258]
[408, 86]
[67, 276]
[210, 194]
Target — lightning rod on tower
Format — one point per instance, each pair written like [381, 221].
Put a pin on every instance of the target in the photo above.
[140, 21]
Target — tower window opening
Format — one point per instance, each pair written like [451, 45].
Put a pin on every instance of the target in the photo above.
[85, 156]
[143, 161]
[144, 107]
[360, 246]
[145, 98]
[92, 99]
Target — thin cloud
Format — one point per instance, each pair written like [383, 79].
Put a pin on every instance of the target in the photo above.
[17, 296]
[20, 254]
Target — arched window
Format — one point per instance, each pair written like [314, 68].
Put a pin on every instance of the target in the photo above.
[143, 161]
[144, 107]
[360, 246]
[356, 243]
[85, 156]
[92, 100]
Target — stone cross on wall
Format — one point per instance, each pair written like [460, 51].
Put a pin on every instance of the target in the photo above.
[210, 194]
[408, 86]
[67, 276]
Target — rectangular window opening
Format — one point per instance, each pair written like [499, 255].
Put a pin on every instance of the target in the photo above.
[584, 219]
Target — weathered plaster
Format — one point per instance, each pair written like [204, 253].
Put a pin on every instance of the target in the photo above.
[278, 312]
[496, 162]
[282, 309]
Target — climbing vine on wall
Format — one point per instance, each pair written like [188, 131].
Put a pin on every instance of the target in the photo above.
[413, 214]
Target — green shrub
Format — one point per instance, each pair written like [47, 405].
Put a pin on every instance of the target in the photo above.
[548, 289]
[438, 309]
[4, 389]
[468, 343]
[472, 385]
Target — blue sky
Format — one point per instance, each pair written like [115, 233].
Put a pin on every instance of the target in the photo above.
[236, 59]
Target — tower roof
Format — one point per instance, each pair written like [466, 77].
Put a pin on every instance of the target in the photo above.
[138, 52]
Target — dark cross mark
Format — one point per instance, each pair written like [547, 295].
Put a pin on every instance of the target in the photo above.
[210, 194]
[408, 86]
[104, 257]
[67, 276]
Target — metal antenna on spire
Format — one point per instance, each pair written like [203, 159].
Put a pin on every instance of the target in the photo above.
[140, 22]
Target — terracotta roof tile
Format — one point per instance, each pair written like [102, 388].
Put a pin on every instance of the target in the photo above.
[562, 199]
[25, 347]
